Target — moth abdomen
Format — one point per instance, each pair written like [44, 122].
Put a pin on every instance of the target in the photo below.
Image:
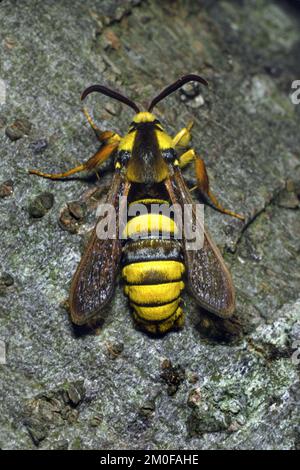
[153, 273]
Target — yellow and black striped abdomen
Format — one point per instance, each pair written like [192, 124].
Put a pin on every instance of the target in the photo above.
[153, 272]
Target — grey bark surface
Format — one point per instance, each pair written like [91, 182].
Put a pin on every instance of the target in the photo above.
[217, 384]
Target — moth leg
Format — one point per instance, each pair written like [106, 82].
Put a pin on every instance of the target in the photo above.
[183, 137]
[103, 136]
[99, 157]
[186, 158]
[203, 185]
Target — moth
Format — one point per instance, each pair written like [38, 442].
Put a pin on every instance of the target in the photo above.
[155, 268]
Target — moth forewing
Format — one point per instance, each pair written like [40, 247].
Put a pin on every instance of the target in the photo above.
[93, 284]
[209, 280]
[208, 277]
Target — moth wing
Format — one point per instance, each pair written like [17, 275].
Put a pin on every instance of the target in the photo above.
[94, 280]
[207, 275]
[209, 279]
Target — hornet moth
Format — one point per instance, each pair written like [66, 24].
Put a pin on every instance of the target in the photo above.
[148, 165]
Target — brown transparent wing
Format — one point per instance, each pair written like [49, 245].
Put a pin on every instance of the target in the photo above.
[208, 277]
[94, 280]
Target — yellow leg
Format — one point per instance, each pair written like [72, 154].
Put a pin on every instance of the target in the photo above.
[91, 121]
[203, 182]
[103, 136]
[183, 137]
[186, 158]
[103, 154]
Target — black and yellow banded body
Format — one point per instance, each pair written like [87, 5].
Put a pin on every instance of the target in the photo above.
[153, 270]
[154, 260]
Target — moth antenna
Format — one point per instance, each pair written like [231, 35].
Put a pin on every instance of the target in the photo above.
[174, 86]
[112, 94]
